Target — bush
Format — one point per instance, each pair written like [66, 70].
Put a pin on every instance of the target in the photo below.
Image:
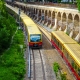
[5, 74]
[63, 77]
[56, 67]
[12, 63]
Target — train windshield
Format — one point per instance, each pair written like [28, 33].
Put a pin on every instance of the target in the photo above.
[35, 38]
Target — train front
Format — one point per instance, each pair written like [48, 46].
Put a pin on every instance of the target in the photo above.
[35, 41]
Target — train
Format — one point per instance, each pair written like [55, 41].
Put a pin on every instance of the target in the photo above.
[69, 50]
[34, 35]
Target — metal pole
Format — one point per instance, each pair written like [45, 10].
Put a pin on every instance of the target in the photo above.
[43, 2]
[29, 63]
[19, 17]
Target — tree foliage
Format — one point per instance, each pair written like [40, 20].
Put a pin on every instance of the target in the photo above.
[7, 27]
[78, 5]
[12, 64]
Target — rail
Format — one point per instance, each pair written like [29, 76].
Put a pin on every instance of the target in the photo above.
[42, 66]
[34, 74]
[38, 65]
[29, 63]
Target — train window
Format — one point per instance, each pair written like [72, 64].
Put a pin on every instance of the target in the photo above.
[72, 63]
[79, 71]
[60, 45]
[53, 38]
[65, 53]
[75, 66]
[35, 38]
[69, 58]
[57, 42]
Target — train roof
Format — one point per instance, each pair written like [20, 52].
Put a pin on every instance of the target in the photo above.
[23, 16]
[31, 26]
[33, 30]
[28, 21]
[63, 37]
[74, 50]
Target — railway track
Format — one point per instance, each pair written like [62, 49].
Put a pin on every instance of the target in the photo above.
[37, 65]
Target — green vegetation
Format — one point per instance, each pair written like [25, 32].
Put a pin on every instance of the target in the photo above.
[12, 64]
[59, 74]
[78, 5]
[56, 67]
[59, 1]
[7, 28]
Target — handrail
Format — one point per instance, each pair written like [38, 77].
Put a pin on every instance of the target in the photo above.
[29, 63]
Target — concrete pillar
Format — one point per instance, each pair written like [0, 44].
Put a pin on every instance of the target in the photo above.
[51, 21]
[61, 24]
[47, 18]
[66, 30]
[55, 25]
[37, 15]
[71, 33]
[51, 18]
[44, 18]
[77, 38]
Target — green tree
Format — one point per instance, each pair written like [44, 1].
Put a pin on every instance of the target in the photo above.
[4, 38]
[78, 5]
[2, 7]
[7, 27]
[59, 1]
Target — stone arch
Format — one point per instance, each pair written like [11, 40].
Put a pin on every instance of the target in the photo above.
[59, 16]
[76, 25]
[53, 18]
[36, 11]
[70, 18]
[49, 13]
[70, 22]
[25, 9]
[45, 16]
[59, 22]
[28, 11]
[49, 17]
[64, 17]
[76, 20]
[32, 12]
[43, 12]
[39, 14]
